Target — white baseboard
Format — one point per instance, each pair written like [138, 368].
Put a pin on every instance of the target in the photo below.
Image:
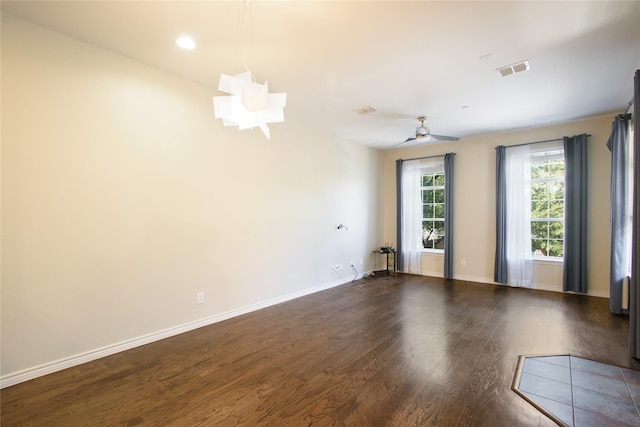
[68, 362]
[550, 288]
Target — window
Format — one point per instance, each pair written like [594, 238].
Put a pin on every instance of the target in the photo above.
[547, 204]
[432, 189]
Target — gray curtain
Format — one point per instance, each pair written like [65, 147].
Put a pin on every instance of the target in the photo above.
[618, 144]
[500, 268]
[575, 224]
[448, 215]
[634, 291]
[399, 256]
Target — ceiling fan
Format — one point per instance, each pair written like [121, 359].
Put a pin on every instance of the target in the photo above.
[423, 133]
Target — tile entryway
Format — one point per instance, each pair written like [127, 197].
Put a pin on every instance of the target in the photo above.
[578, 392]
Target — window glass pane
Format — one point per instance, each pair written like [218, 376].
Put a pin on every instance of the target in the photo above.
[556, 168]
[427, 210]
[539, 230]
[556, 190]
[556, 230]
[547, 203]
[540, 209]
[537, 170]
[538, 247]
[438, 237]
[438, 196]
[428, 234]
[539, 191]
[556, 248]
[432, 208]
[439, 210]
[556, 209]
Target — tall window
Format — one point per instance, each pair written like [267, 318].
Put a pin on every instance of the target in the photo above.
[547, 204]
[432, 189]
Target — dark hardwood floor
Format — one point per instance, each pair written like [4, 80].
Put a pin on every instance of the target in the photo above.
[389, 351]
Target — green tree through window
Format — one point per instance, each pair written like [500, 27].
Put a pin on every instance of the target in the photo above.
[432, 188]
[547, 206]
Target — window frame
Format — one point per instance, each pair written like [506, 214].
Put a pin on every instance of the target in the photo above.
[432, 169]
[539, 156]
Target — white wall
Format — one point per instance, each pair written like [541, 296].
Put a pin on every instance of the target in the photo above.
[474, 217]
[122, 197]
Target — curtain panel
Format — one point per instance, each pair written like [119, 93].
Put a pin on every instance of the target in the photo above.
[399, 256]
[448, 215]
[518, 207]
[411, 219]
[575, 237]
[634, 292]
[513, 261]
[619, 145]
[500, 267]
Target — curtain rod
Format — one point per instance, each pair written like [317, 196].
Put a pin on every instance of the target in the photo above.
[535, 142]
[427, 157]
[633, 98]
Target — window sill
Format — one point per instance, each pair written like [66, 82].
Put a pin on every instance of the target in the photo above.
[548, 260]
[433, 251]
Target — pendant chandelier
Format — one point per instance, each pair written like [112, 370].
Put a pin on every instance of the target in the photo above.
[249, 104]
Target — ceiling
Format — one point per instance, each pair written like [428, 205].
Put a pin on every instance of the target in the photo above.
[405, 59]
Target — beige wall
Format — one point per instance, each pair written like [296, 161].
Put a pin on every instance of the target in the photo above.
[474, 218]
[122, 197]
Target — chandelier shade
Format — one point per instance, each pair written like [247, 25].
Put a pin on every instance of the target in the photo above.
[249, 104]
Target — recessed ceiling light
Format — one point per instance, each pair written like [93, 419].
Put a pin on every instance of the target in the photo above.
[186, 42]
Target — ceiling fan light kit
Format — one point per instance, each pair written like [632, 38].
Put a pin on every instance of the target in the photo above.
[423, 133]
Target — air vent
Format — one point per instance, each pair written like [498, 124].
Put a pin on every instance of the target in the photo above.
[513, 68]
[365, 110]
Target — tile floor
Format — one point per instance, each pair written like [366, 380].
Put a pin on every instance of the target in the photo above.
[579, 392]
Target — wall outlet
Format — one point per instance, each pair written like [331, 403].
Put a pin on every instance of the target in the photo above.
[463, 263]
[200, 297]
[351, 263]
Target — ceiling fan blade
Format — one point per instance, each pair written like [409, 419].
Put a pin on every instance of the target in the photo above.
[406, 140]
[445, 138]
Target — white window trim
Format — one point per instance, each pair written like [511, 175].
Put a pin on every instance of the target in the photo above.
[430, 169]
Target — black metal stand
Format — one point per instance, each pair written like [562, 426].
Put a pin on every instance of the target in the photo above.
[386, 251]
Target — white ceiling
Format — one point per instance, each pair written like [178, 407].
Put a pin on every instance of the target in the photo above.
[405, 59]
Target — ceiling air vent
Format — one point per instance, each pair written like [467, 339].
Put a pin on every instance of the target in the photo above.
[365, 110]
[513, 68]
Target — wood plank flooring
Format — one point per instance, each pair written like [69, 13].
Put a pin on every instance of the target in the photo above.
[388, 351]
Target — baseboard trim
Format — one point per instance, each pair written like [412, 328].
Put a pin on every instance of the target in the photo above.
[68, 362]
[549, 288]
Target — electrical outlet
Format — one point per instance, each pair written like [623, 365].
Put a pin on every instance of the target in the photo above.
[463, 263]
[351, 263]
[200, 297]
